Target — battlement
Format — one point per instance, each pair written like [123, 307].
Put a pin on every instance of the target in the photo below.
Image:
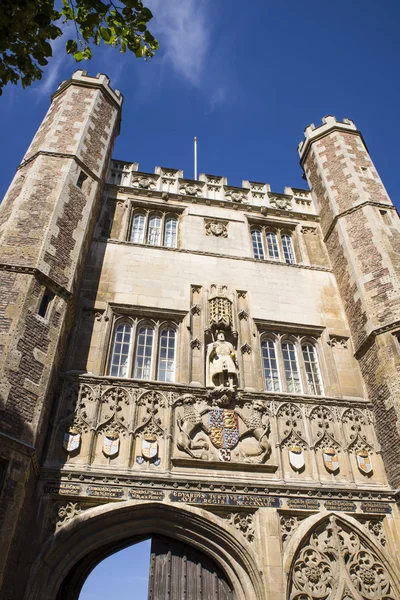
[82, 78]
[312, 132]
[208, 187]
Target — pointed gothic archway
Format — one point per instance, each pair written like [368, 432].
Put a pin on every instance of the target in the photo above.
[331, 557]
[66, 560]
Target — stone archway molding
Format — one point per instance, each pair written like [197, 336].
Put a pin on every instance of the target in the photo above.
[68, 557]
[313, 524]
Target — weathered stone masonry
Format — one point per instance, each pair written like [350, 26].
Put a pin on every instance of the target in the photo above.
[352, 203]
[46, 220]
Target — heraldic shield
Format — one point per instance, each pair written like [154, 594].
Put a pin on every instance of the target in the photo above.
[111, 443]
[149, 446]
[296, 457]
[224, 431]
[331, 460]
[364, 461]
[71, 439]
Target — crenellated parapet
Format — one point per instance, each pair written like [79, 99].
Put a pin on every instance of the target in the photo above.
[166, 181]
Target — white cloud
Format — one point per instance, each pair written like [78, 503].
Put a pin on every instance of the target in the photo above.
[184, 33]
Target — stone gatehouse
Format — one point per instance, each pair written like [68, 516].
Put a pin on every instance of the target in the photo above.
[214, 367]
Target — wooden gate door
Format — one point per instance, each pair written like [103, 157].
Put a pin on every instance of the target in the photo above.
[180, 572]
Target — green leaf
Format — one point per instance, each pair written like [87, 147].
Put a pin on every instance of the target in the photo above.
[105, 33]
[71, 46]
[78, 56]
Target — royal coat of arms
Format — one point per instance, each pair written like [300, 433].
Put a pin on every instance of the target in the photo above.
[223, 426]
[71, 439]
[364, 461]
[296, 457]
[111, 443]
[149, 450]
[331, 460]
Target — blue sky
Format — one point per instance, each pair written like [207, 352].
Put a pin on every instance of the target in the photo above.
[125, 572]
[246, 78]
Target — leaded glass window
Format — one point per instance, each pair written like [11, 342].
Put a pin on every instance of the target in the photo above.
[170, 230]
[291, 368]
[166, 355]
[272, 245]
[121, 351]
[138, 226]
[313, 376]
[144, 352]
[258, 249]
[288, 251]
[154, 231]
[270, 365]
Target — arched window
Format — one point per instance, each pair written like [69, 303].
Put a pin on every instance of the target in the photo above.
[270, 365]
[144, 352]
[272, 245]
[287, 247]
[121, 351]
[154, 231]
[313, 376]
[258, 250]
[138, 226]
[170, 229]
[166, 355]
[292, 374]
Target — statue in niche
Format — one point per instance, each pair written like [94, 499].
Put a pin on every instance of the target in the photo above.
[222, 368]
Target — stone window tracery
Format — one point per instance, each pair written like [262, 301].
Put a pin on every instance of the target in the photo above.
[273, 245]
[291, 364]
[154, 345]
[154, 228]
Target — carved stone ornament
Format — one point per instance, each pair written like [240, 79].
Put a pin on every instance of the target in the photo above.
[244, 523]
[195, 309]
[245, 349]
[296, 458]
[338, 341]
[72, 440]
[67, 512]
[331, 460]
[289, 524]
[235, 195]
[334, 563]
[308, 230]
[364, 461]
[280, 202]
[220, 307]
[223, 428]
[195, 344]
[216, 228]
[111, 443]
[190, 189]
[243, 315]
[149, 450]
[146, 183]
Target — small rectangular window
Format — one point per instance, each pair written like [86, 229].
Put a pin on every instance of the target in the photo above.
[81, 179]
[45, 304]
[386, 217]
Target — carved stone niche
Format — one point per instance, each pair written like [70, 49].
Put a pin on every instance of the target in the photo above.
[219, 430]
[220, 308]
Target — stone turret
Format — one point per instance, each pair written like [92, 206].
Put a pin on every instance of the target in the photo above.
[46, 223]
[362, 234]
